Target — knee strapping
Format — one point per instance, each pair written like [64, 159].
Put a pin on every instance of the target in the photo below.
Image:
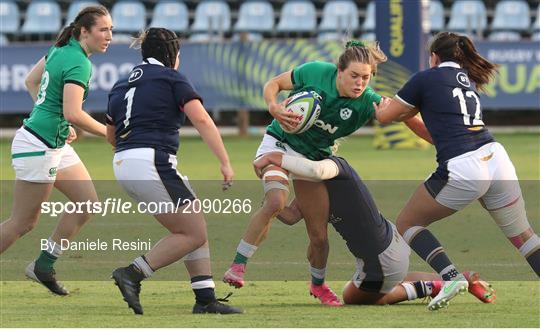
[268, 185]
[512, 219]
[200, 253]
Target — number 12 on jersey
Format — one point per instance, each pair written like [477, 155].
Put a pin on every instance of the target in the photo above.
[476, 121]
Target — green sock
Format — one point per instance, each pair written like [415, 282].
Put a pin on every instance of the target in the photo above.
[45, 261]
[240, 259]
[317, 281]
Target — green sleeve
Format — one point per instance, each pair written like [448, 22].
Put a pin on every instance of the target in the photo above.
[78, 72]
[372, 96]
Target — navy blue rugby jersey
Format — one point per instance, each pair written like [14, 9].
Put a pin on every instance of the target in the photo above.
[147, 107]
[354, 215]
[450, 107]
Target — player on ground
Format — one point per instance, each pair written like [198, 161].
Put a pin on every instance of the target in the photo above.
[346, 105]
[144, 114]
[472, 165]
[382, 256]
[41, 152]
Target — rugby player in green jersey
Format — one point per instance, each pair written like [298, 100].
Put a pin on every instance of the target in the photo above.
[41, 152]
[346, 105]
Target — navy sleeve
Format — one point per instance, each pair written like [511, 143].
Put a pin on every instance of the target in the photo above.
[411, 93]
[109, 119]
[184, 91]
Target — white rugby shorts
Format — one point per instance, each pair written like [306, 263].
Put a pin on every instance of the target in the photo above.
[33, 161]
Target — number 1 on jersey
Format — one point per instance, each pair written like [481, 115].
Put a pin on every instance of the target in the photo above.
[463, 105]
[129, 97]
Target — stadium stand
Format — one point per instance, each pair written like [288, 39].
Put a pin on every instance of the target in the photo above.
[511, 15]
[9, 17]
[504, 36]
[42, 17]
[369, 18]
[468, 16]
[255, 19]
[212, 20]
[172, 15]
[75, 7]
[297, 16]
[3, 40]
[341, 15]
[436, 16]
[128, 16]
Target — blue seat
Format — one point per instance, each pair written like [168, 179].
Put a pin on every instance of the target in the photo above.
[467, 15]
[536, 36]
[511, 15]
[42, 16]
[3, 40]
[297, 16]
[255, 16]
[368, 36]
[536, 25]
[76, 7]
[369, 19]
[340, 15]
[212, 15]
[436, 16]
[171, 14]
[128, 16]
[9, 17]
[504, 36]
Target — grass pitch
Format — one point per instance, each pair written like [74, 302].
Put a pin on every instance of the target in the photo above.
[276, 294]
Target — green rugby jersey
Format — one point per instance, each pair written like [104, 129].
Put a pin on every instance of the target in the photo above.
[67, 64]
[339, 117]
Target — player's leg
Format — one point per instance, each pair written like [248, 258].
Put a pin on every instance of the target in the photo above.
[198, 266]
[74, 182]
[383, 279]
[35, 171]
[187, 232]
[422, 210]
[27, 200]
[312, 199]
[505, 204]
[276, 192]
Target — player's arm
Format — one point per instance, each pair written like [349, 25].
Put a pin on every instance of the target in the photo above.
[390, 110]
[308, 169]
[73, 112]
[199, 117]
[282, 82]
[111, 138]
[33, 80]
[291, 214]
[416, 124]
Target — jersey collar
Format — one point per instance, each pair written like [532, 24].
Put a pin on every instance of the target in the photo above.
[449, 64]
[75, 43]
[151, 60]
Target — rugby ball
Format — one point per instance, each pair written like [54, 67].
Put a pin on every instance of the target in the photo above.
[306, 104]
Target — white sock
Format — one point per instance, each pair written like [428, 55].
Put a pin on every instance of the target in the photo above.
[319, 273]
[246, 249]
[411, 291]
[53, 248]
[144, 267]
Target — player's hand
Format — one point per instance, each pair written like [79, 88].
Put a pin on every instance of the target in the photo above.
[291, 214]
[385, 101]
[259, 164]
[286, 119]
[228, 175]
[72, 135]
